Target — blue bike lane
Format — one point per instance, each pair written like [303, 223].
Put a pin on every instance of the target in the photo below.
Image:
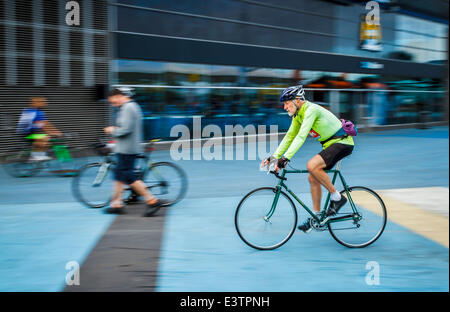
[202, 252]
[43, 228]
[42, 243]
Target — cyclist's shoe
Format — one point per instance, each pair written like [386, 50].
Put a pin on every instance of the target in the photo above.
[335, 206]
[132, 199]
[110, 210]
[40, 158]
[306, 226]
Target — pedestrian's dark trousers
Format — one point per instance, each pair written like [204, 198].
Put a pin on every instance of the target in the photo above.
[125, 168]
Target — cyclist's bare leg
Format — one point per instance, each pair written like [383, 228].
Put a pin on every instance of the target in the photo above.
[316, 166]
[316, 192]
[140, 188]
[40, 145]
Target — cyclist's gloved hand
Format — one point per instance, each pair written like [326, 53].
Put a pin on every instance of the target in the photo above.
[267, 161]
[282, 162]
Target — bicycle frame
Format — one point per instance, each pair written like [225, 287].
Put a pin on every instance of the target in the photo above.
[59, 147]
[61, 151]
[336, 172]
[108, 162]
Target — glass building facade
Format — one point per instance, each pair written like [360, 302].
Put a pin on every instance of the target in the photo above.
[250, 95]
[228, 60]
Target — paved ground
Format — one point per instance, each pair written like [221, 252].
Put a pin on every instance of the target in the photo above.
[193, 246]
[126, 257]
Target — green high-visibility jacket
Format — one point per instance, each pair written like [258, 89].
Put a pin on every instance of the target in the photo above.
[311, 119]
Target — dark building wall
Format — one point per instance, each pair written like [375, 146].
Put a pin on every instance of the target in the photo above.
[320, 28]
[183, 50]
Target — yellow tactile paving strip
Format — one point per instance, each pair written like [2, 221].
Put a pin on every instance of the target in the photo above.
[420, 221]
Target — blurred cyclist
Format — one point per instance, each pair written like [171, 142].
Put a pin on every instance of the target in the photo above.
[310, 118]
[128, 135]
[33, 125]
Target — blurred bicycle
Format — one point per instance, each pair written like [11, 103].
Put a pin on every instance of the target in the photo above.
[62, 159]
[93, 185]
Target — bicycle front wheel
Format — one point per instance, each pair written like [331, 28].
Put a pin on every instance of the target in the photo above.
[366, 222]
[92, 186]
[265, 218]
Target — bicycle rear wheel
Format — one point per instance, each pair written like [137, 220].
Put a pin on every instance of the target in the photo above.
[367, 222]
[19, 165]
[262, 227]
[91, 188]
[166, 181]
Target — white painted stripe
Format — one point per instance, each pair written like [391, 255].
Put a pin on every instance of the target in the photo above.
[432, 199]
[410, 215]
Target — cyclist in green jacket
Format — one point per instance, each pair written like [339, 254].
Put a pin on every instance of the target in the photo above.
[312, 119]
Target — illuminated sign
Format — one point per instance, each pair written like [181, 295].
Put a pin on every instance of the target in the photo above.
[370, 35]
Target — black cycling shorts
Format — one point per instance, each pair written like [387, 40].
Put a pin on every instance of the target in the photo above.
[335, 152]
[125, 169]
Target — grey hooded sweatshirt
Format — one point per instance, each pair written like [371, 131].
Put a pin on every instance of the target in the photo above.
[129, 129]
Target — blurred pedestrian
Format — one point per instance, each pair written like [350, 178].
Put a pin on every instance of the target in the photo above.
[128, 134]
[34, 126]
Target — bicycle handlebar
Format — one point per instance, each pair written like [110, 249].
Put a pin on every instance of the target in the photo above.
[276, 174]
[269, 168]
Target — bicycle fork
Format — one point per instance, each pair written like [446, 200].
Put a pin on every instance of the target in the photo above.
[274, 204]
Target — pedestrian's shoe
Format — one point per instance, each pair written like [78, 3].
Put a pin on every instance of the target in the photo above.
[164, 203]
[111, 210]
[335, 206]
[152, 208]
[306, 226]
